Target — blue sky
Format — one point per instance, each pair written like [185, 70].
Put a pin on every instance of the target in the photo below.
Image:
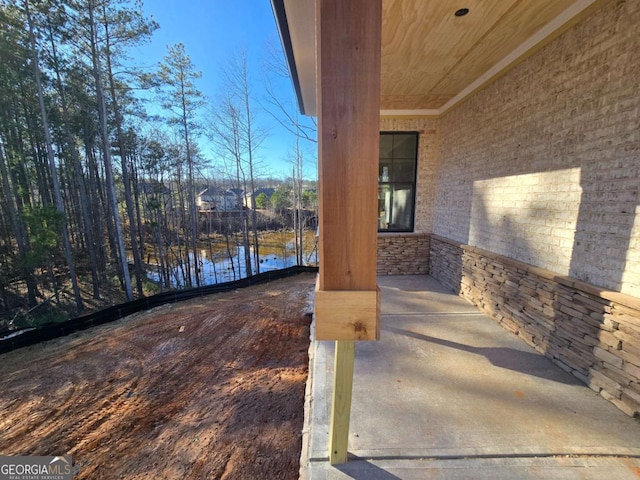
[212, 30]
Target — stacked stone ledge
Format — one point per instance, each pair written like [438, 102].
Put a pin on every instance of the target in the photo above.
[403, 254]
[589, 332]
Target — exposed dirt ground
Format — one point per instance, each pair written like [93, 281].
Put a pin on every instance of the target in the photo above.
[208, 388]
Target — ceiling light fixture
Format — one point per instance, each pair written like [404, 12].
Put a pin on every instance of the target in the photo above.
[462, 12]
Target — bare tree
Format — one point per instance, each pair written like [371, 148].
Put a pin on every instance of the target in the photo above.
[284, 111]
[235, 128]
[298, 217]
[225, 131]
[304, 130]
[176, 81]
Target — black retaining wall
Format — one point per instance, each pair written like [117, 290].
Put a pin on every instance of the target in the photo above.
[116, 312]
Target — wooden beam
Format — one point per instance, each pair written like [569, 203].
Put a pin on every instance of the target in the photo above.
[341, 401]
[348, 41]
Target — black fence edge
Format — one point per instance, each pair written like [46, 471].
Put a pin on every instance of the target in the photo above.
[110, 314]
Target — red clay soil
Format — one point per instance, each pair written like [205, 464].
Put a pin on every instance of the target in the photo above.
[204, 389]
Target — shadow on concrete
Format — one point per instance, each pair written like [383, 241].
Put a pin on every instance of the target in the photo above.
[512, 359]
[361, 469]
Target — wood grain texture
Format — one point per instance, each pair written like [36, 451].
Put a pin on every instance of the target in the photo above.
[341, 401]
[347, 315]
[429, 55]
[348, 131]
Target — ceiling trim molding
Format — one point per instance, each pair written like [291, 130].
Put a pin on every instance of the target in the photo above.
[410, 113]
[546, 34]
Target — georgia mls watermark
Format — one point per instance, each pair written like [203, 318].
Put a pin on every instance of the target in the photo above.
[36, 468]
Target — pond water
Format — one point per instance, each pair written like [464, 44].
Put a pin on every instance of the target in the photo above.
[219, 268]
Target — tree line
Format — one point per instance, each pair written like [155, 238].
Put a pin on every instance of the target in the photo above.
[90, 182]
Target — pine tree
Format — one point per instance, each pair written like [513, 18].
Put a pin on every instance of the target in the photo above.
[176, 83]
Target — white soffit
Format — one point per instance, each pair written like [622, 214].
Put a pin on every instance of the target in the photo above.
[301, 16]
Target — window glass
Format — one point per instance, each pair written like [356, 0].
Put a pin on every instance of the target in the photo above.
[404, 145]
[384, 206]
[404, 169]
[396, 181]
[385, 171]
[402, 208]
[386, 146]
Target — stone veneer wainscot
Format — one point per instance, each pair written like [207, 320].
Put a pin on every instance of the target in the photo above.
[403, 254]
[590, 332]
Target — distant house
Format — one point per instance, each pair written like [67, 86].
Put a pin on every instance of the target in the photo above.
[216, 199]
[238, 196]
[248, 198]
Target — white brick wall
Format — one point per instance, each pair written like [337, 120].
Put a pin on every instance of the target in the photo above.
[508, 212]
[544, 164]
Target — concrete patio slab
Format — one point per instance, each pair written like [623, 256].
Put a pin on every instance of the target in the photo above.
[447, 393]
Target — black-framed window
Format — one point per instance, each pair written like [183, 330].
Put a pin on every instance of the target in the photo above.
[397, 181]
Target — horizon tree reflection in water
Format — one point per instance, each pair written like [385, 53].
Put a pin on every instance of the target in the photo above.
[220, 268]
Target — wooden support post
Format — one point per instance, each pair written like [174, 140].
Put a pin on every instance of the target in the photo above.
[348, 42]
[341, 401]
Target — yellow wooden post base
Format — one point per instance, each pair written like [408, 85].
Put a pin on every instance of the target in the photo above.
[341, 401]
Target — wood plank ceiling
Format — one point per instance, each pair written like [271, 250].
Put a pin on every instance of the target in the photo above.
[431, 58]
[429, 55]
